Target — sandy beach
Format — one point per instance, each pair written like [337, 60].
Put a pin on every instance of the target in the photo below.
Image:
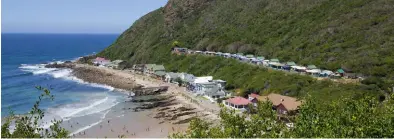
[169, 116]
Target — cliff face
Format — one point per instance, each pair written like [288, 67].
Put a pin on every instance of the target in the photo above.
[355, 34]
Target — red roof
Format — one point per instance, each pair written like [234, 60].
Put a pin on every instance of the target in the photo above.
[238, 101]
[253, 95]
[100, 59]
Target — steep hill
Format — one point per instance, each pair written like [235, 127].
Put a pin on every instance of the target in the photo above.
[353, 34]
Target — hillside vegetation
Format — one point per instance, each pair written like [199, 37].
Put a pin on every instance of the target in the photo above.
[352, 34]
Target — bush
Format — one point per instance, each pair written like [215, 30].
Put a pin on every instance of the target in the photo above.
[26, 126]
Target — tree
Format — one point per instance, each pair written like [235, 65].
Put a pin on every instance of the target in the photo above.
[27, 126]
[365, 117]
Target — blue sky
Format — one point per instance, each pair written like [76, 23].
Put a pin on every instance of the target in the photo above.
[73, 16]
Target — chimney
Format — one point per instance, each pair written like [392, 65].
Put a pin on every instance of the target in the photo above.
[282, 100]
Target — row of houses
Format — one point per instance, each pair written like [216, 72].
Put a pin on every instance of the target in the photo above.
[274, 63]
[200, 86]
[282, 104]
[102, 62]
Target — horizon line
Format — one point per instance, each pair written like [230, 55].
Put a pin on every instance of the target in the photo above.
[60, 33]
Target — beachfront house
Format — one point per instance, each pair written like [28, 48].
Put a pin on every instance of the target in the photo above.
[138, 68]
[210, 53]
[240, 56]
[186, 79]
[275, 64]
[282, 104]
[239, 103]
[218, 54]
[266, 63]
[326, 73]
[300, 69]
[115, 64]
[249, 57]
[227, 55]
[159, 74]
[255, 61]
[100, 61]
[311, 67]
[313, 72]
[210, 90]
[156, 68]
[341, 72]
[260, 59]
[170, 77]
[192, 86]
[234, 56]
[147, 68]
[178, 50]
[288, 65]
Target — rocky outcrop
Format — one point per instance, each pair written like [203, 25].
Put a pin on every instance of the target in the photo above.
[66, 64]
[100, 76]
[150, 91]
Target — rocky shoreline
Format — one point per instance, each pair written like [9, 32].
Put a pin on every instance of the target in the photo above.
[164, 106]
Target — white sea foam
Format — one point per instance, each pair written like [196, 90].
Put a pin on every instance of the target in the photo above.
[89, 126]
[59, 73]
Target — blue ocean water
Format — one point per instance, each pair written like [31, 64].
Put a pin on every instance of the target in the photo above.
[21, 71]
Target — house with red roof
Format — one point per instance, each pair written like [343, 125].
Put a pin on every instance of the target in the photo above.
[237, 103]
[101, 61]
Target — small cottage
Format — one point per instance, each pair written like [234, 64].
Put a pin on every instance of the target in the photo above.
[311, 67]
[156, 68]
[170, 77]
[283, 104]
[115, 64]
[178, 50]
[260, 58]
[218, 54]
[287, 65]
[326, 73]
[159, 75]
[299, 69]
[227, 55]
[147, 68]
[314, 72]
[276, 65]
[100, 61]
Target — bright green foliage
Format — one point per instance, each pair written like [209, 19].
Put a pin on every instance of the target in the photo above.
[350, 118]
[235, 125]
[356, 34]
[27, 126]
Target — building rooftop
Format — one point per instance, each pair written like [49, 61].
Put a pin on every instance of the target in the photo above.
[289, 103]
[238, 101]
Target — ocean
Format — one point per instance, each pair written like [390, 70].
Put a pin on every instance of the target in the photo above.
[22, 69]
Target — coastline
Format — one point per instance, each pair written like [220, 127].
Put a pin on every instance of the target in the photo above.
[158, 118]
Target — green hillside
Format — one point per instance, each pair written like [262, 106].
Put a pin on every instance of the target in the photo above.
[352, 34]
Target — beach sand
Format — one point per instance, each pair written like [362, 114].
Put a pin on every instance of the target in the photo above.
[124, 121]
